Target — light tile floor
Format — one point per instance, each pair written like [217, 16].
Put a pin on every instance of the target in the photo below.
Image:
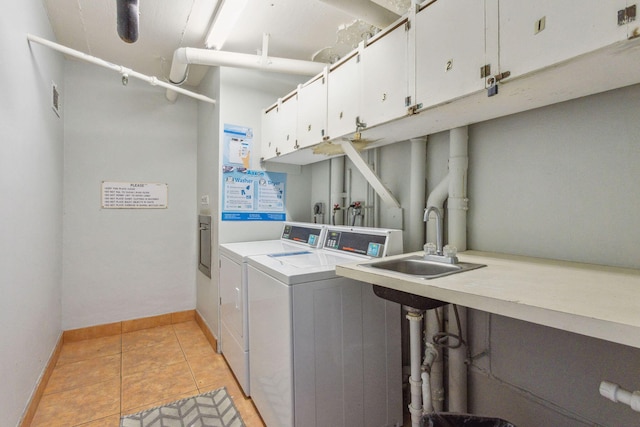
[97, 380]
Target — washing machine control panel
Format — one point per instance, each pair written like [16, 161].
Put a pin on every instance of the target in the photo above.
[356, 242]
[302, 234]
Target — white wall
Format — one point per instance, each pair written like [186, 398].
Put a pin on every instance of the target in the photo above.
[30, 206]
[124, 264]
[207, 295]
[241, 95]
[558, 182]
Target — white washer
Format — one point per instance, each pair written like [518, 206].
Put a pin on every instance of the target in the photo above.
[234, 336]
[325, 351]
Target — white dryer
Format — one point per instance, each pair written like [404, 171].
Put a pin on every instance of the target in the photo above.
[325, 351]
[234, 324]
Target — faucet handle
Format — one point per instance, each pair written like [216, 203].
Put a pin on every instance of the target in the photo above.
[430, 248]
[449, 251]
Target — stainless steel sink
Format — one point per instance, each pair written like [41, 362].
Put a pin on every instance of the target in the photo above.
[417, 266]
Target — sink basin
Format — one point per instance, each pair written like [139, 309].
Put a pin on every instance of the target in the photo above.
[417, 266]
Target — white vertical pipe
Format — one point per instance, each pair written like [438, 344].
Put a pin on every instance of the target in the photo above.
[437, 367]
[417, 186]
[436, 198]
[415, 380]
[457, 207]
[337, 186]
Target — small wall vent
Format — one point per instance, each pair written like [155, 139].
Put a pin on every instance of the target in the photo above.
[55, 99]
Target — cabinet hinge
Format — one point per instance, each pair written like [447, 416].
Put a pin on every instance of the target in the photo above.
[485, 71]
[627, 15]
[357, 58]
[407, 25]
[407, 101]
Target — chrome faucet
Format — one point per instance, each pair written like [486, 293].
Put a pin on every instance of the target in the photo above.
[440, 255]
[438, 227]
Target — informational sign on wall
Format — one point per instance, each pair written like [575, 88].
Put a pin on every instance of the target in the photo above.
[248, 195]
[252, 195]
[238, 142]
[134, 195]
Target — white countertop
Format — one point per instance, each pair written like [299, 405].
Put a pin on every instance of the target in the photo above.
[592, 300]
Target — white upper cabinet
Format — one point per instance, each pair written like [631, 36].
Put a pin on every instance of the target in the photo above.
[450, 51]
[279, 127]
[536, 34]
[385, 86]
[343, 105]
[269, 130]
[287, 124]
[312, 112]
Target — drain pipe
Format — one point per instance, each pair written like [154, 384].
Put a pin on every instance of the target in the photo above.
[415, 380]
[184, 56]
[417, 186]
[454, 188]
[457, 207]
[436, 198]
[430, 356]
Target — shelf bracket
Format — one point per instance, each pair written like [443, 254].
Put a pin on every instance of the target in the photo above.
[368, 174]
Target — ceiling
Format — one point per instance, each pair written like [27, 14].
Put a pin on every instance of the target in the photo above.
[320, 30]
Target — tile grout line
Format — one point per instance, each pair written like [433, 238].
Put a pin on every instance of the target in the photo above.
[195, 381]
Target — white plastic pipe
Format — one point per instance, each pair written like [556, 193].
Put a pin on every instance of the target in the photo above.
[415, 380]
[458, 203]
[616, 394]
[126, 72]
[437, 367]
[457, 207]
[430, 356]
[184, 56]
[437, 199]
[417, 184]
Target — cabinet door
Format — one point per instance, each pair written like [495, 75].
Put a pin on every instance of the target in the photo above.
[450, 51]
[384, 77]
[343, 95]
[312, 112]
[268, 144]
[286, 125]
[538, 34]
[231, 296]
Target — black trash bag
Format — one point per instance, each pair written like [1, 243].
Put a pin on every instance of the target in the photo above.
[461, 420]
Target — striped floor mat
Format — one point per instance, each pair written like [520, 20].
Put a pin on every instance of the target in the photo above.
[211, 409]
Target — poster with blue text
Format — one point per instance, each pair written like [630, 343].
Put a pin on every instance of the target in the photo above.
[253, 195]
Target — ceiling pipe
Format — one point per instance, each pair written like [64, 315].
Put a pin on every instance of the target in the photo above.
[128, 19]
[125, 72]
[366, 11]
[184, 56]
